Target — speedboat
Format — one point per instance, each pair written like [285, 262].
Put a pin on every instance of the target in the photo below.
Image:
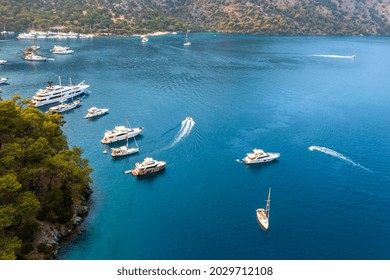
[61, 50]
[63, 107]
[259, 156]
[94, 112]
[57, 93]
[3, 80]
[144, 39]
[34, 57]
[148, 166]
[262, 214]
[120, 133]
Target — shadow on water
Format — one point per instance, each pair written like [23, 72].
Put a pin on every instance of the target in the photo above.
[259, 166]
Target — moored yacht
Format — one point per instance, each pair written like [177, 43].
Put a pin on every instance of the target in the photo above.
[63, 107]
[2, 61]
[61, 50]
[57, 93]
[3, 80]
[148, 166]
[259, 156]
[262, 214]
[120, 133]
[34, 57]
[94, 112]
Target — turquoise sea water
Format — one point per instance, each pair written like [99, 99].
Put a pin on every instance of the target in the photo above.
[280, 94]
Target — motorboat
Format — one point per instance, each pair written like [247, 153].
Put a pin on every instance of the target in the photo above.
[61, 50]
[57, 93]
[2, 61]
[120, 133]
[144, 39]
[149, 165]
[3, 80]
[34, 57]
[94, 112]
[262, 214]
[186, 42]
[63, 107]
[259, 156]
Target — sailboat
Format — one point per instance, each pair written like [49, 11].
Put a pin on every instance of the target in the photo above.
[262, 214]
[125, 150]
[186, 42]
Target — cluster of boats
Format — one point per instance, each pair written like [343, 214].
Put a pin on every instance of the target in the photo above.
[31, 52]
[33, 34]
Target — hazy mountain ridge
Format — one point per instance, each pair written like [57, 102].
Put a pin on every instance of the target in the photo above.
[309, 17]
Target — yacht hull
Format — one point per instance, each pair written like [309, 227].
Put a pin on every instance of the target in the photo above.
[139, 172]
[271, 157]
[123, 136]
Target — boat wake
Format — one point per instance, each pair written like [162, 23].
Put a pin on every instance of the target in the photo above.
[337, 155]
[185, 130]
[335, 56]
[186, 126]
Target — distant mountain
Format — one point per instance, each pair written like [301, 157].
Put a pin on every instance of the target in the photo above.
[308, 17]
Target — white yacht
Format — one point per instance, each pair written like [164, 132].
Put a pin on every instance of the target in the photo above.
[2, 61]
[262, 214]
[94, 112]
[148, 166]
[34, 57]
[63, 107]
[259, 156]
[57, 93]
[61, 50]
[3, 80]
[120, 133]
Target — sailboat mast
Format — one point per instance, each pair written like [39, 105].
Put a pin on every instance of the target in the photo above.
[267, 208]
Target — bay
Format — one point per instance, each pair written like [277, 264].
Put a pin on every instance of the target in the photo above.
[280, 94]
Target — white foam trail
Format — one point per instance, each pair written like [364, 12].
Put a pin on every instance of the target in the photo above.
[185, 130]
[335, 56]
[337, 155]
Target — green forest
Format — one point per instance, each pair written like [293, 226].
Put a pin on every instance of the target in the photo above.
[83, 16]
[42, 181]
[126, 17]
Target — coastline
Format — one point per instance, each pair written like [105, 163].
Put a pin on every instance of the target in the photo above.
[51, 236]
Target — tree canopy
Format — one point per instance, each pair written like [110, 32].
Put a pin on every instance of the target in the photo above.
[41, 179]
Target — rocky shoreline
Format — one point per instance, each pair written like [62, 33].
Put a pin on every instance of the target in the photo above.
[50, 236]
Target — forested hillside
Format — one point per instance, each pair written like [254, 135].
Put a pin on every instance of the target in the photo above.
[44, 185]
[309, 17]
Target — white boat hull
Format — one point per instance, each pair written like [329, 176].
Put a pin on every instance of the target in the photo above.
[96, 114]
[271, 157]
[123, 151]
[76, 91]
[130, 134]
[262, 219]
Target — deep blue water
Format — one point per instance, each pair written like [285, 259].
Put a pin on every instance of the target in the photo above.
[243, 92]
